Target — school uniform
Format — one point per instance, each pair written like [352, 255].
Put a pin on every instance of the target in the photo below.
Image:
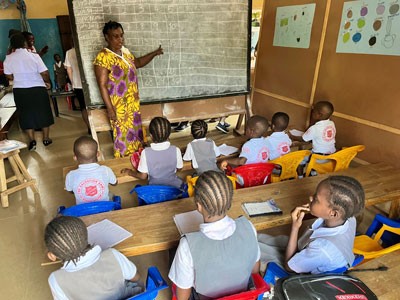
[278, 144]
[90, 182]
[217, 260]
[255, 150]
[203, 153]
[96, 275]
[322, 134]
[160, 162]
[71, 61]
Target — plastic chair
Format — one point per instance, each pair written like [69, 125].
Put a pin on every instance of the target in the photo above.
[191, 182]
[275, 271]
[289, 163]
[91, 208]
[335, 162]
[154, 284]
[260, 287]
[151, 194]
[377, 243]
[253, 174]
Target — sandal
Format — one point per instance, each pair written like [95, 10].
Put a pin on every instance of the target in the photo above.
[47, 142]
[32, 145]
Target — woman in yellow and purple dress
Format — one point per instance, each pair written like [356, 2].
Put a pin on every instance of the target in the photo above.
[115, 70]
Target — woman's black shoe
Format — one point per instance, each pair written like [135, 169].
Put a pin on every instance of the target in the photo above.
[32, 145]
[47, 142]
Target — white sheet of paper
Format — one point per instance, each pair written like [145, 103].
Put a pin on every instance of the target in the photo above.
[106, 234]
[227, 150]
[296, 132]
[188, 222]
[10, 145]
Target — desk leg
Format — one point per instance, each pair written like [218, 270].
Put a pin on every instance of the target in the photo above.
[55, 105]
[394, 209]
[3, 184]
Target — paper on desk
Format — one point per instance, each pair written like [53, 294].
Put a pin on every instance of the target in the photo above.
[106, 234]
[188, 222]
[227, 150]
[10, 145]
[296, 132]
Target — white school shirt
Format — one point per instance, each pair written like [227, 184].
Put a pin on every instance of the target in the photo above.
[182, 269]
[321, 255]
[71, 61]
[322, 134]
[127, 267]
[159, 147]
[26, 68]
[189, 154]
[255, 150]
[278, 144]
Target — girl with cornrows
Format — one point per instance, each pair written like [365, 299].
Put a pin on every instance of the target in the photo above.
[219, 259]
[87, 271]
[158, 163]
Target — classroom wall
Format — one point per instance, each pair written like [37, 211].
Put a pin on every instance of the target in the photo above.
[362, 87]
[41, 15]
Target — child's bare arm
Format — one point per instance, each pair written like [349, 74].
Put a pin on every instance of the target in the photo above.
[297, 220]
[134, 173]
[183, 294]
[256, 268]
[237, 161]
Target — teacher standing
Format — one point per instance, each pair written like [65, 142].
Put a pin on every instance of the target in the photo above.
[115, 70]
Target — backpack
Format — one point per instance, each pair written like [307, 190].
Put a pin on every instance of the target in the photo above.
[323, 287]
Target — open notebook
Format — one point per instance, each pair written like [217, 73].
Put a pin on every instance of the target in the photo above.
[188, 221]
[268, 207]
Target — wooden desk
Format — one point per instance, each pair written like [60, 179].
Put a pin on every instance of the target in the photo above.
[55, 95]
[7, 112]
[385, 284]
[154, 230]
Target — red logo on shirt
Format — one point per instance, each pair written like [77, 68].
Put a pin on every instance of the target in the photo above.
[283, 148]
[329, 133]
[91, 190]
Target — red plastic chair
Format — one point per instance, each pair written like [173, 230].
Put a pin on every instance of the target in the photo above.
[253, 174]
[260, 287]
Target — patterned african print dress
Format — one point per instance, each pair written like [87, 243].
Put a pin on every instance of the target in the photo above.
[123, 90]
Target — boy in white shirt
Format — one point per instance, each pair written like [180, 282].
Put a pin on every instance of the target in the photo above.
[278, 142]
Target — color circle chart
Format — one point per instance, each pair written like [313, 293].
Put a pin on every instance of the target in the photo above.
[370, 27]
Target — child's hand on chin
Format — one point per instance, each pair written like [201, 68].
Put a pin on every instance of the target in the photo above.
[298, 214]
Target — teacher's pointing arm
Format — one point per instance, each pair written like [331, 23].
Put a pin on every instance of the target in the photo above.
[145, 59]
[102, 79]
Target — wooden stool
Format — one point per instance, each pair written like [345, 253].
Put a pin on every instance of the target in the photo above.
[20, 174]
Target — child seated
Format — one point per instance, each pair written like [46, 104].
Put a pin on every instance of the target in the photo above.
[328, 244]
[201, 151]
[278, 142]
[255, 150]
[322, 131]
[219, 259]
[90, 181]
[159, 162]
[87, 271]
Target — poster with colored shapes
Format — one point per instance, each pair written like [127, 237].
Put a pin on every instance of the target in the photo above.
[370, 27]
[293, 26]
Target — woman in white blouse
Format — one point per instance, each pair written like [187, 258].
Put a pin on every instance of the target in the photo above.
[31, 79]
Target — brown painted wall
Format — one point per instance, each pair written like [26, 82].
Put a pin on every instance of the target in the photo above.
[363, 88]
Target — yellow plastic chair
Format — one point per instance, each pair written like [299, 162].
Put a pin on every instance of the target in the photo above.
[334, 162]
[191, 182]
[376, 243]
[289, 163]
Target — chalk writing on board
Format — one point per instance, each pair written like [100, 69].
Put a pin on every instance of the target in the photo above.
[205, 44]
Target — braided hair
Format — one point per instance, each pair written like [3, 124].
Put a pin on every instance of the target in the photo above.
[214, 192]
[67, 238]
[111, 25]
[160, 129]
[346, 195]
[85, 149]
[199, 129]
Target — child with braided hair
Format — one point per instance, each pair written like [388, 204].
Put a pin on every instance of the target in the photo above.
[87, 271]
[219, 259]
[328, 244]
[201, 151]
[158, 163]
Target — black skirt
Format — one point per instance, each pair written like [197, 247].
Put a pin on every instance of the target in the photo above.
[33, 106]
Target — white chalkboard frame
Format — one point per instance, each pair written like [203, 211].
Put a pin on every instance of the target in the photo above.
[84, 71]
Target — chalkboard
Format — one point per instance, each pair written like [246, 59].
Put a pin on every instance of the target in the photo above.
[206, 45]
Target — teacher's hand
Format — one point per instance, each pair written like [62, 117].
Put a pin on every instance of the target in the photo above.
[159, 51]
[111, 114]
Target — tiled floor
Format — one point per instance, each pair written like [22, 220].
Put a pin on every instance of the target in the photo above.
[21, 225]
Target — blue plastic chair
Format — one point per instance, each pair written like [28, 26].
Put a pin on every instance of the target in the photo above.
[388, 238]
[275, 271]
[154, 284]
[91, 208]
[150, 194]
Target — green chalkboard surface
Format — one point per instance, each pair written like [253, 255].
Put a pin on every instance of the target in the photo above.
[206, 45]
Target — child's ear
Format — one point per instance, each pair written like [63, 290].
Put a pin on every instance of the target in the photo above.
[98, 154]
[75, 158]
[199, 207]
[51, 256]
